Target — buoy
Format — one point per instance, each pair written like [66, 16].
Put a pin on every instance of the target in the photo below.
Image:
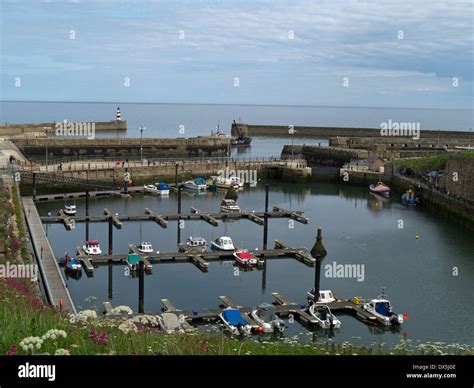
[417, 237]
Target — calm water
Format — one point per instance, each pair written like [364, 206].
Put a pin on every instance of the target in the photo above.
[358, 229]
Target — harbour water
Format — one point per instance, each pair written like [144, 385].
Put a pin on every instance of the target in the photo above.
[419, 273]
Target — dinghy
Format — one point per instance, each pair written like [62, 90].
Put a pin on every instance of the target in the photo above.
[245, 258]
[409, 198]
[323, 315]
[268, 321]
[234, 322]
[92, 248]
[380, 188]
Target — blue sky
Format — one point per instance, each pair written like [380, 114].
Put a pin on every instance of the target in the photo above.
[248, 40]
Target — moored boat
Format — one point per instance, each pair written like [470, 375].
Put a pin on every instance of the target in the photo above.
[380, 188]
[198, 184]
[235, 322]
[162, 188]
[409, 198]
[223, 243]
[92, 248]
[267, 320]
[245, 258]
[70, 209]
[229, 206]
[323, 315]
[381, 308]
[325, 296]
[145, 247]
[197, 244]
[132, 261]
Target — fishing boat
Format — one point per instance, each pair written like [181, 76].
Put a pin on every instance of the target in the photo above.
[70, 209]
[132, 261]
[145, 247]
[198, 184]
[223, 244]
[380, 188]
[245, 258]
[267, 320]
[73, 265]
[92, 248]
[197, 244]
[409, 198]
[241, 141]
[229, 206]
[224, 183]
[325, 296]
[382, 309]
[323, 315]
[235, 322]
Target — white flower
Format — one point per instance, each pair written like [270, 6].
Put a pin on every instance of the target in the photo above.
[127, 327]
[62, 352]
[30, 343]
[119, 310]
[84, 315]
[146, 319]
[53, 334]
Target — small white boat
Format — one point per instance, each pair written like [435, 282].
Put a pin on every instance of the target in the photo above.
[267, 320]
[198, 184]
[237, 182]
[382, 310]
[145, 247]
[325, 296]
[92, 248]
[234, 322]
[223, 244]
[197, 244]
[224, 183]
[69, 209]
[323, 315]
[229, 206]
[245, 258]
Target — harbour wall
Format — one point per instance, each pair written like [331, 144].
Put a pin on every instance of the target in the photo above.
[49, 128]
[123, 148]
[327, 132]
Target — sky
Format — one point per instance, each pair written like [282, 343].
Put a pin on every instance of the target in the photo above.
[375, 53]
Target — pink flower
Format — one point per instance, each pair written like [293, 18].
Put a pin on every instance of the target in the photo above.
[12, 351]
[102, 338]
[92, 334]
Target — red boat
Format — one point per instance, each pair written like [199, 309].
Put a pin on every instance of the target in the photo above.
[245, 258]
[380, 188]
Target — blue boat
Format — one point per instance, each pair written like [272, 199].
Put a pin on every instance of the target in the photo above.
[72, 264]
[409, 198]
[235, 322]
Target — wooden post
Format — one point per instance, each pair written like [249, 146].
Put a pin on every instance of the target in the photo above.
[176, 174]
[265, 218]
[317, 277]
[111, 234]
[87, 214]
[141, 287]
[179, 200]
[34, 187]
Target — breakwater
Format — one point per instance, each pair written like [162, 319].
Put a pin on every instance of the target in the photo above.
[123, 148]
[324, 132]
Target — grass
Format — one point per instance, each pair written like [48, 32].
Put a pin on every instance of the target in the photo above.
[426, 164]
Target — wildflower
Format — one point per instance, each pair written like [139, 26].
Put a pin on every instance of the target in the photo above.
[92, 334]
[119, 310]
[31, 343]
[127, 327]
[62, 352]
[12, 350]
[53, 334]
[102, 338]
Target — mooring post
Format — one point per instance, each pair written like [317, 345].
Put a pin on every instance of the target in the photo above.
[87, 214]
[34, 187]
[110, 281]
[179, 200]
[317, 277]
[176, 174]
[265, 218]
[111, 234]
[141, 287]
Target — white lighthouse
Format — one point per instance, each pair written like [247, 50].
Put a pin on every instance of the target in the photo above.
[118, 115]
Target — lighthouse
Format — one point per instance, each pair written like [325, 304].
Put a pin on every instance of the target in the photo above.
[118, 115]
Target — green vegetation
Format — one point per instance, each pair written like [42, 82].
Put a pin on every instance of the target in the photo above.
[426, 164]
[29, 327]
[466, 154]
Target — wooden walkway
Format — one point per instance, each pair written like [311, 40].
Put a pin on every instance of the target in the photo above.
[283, 308]
[200, 259]
[55, 286]
[195, 215]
